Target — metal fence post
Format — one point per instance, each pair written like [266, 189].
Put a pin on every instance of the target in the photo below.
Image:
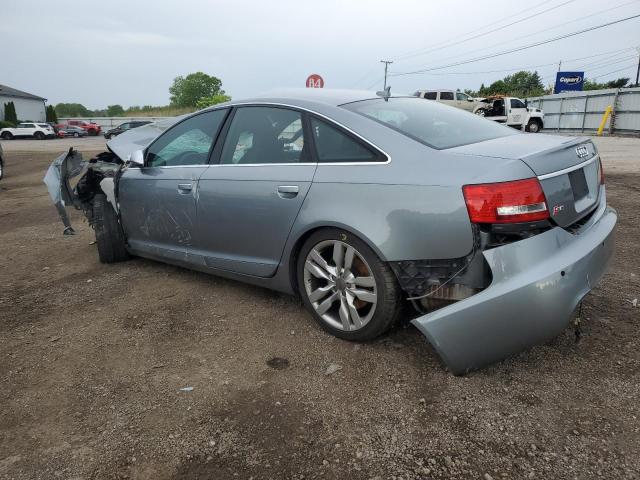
[559, 114]
[613, 112]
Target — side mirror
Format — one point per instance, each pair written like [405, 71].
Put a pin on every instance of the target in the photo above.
[137, 158]
[526, 102]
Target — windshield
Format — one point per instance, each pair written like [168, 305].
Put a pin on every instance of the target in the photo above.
[436, 125]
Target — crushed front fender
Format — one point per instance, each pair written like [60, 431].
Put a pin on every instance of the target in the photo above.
[537, 284]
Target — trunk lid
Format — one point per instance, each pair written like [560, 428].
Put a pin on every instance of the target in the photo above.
[568, 169]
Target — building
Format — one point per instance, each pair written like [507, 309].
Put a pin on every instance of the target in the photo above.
[28, 106]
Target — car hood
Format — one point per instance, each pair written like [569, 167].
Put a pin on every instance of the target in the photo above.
[139, 138]
[542, 153]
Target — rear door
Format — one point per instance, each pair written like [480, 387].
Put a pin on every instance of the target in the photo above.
[447, 97]
[516, 111]
[249, 200]
[158, 201]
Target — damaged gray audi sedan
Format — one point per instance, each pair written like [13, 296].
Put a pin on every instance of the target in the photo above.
[359, 203]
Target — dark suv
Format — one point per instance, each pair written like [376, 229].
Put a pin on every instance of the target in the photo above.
[123, 127]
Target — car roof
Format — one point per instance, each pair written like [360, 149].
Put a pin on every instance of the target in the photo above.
[302, 96]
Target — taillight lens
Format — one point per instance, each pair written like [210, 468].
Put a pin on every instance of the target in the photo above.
[601, 172]
[506, 202]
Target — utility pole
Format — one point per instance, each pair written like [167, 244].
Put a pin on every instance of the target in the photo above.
[386, 66]
[638, 71]
[560, 65]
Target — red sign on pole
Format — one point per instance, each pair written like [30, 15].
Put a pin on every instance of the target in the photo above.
[315, 81]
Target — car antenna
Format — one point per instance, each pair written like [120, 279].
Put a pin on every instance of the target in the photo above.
[386, 93]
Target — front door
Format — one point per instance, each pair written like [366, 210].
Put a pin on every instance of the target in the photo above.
[516, 112]
[158, 201]
[250, 199]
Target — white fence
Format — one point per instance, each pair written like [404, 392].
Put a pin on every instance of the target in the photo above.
[110, 122]
[583, 111]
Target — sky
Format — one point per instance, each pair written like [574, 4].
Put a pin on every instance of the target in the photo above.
[129, 52]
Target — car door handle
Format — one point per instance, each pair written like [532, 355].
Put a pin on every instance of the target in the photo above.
[288, 191]
[185, 187]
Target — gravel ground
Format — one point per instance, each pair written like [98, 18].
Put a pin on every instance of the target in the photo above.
[145, 371]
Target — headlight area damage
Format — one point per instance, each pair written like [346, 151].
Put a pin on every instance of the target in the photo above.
[99, 175]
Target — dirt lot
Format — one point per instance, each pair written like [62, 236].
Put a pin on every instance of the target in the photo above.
[94, 357]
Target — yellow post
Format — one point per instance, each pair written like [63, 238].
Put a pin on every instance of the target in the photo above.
[607, 112]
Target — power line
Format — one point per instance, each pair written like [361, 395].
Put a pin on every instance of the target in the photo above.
[485, 48]
[485, 32]
[615, 71]
[524, 47]
[409, 54]
[616, 51]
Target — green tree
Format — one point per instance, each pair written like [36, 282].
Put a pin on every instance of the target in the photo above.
[186, 91]
[520, 84]
[115, 110]
[10, 114]
[50, 113]
[72, 110]
[593, 85]
[213, 100]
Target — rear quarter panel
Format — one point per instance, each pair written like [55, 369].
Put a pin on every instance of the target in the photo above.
[409, 208]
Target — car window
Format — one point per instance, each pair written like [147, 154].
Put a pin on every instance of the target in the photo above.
[517, 103]
[333, 145]
[446, 95]
[264, 135]
[188, 143]
[125, 126]
[431, 123]
[43, 125]
[463, 97]
[431, 95]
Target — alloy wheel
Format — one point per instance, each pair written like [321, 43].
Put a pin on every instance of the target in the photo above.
[340, 285]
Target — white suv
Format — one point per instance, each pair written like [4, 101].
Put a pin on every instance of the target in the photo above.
[39, 131]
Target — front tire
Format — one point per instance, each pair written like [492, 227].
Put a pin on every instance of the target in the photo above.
[481, 112]
[534, 126]
[109, 235]
[76, 134]
[1, 169]
[39, 136]
[7, 136]
[348, 290]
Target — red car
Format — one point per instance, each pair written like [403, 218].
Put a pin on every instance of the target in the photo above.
[90, 127]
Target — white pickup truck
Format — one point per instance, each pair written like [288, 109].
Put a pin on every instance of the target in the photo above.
[39, 131]
[510, 111]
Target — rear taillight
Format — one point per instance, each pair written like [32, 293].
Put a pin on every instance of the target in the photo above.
[506, 202]
[601, 169]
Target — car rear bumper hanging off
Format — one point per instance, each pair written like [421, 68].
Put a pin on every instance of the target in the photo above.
[537, 284]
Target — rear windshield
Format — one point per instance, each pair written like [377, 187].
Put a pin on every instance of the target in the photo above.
[436, 125]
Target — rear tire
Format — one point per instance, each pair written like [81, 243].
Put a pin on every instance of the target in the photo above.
[109, 235]
[1, 169]
[76, 134]
[363, 293]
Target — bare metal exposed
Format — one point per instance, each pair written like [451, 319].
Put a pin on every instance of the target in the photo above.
[360, 204]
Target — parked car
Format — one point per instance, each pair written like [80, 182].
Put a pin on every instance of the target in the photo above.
[492, 235]
[1, 163]
[123, 127]
[71, 131]
[511, 111]
[452, 98]
[39, 131]
[90, 127]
